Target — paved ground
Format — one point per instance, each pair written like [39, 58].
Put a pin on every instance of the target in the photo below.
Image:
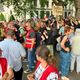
[73, 75]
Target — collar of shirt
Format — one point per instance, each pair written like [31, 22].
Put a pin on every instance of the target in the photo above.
[8, 39]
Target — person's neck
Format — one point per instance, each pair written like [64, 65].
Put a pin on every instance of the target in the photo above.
[44, 64]
[8, 37]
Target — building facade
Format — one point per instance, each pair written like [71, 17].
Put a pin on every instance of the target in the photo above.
[48, 9]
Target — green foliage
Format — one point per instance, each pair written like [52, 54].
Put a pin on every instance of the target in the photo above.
[20, 6]
[43, 3]
[11, 18]
[42, 14]
[23, 6]
[2, 18]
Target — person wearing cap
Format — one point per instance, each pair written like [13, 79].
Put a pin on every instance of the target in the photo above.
[75, 56]
[6, 72]
[13, 51]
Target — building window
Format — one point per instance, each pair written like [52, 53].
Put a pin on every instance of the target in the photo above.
[65, 14]
[47, 13]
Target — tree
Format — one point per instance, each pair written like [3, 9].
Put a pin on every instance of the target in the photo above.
[20, 6]
[23, 6]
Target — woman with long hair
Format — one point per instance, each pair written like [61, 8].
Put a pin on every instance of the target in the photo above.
[45, 67]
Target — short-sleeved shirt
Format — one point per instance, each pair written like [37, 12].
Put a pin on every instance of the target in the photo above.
[13, 51]
[61, 31]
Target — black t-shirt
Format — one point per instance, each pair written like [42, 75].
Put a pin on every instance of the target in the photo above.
[67, 44]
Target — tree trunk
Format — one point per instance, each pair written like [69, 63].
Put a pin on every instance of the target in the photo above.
[77, 6]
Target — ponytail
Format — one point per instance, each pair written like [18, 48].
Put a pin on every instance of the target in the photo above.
[44, 52]
[51, 60]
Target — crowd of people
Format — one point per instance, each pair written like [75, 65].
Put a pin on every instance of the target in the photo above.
[36, 41]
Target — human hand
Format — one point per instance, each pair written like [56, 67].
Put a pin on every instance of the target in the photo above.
[67, 49]
[30, 77]
[5, 76]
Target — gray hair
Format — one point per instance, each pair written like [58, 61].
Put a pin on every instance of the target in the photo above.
[11, 32]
